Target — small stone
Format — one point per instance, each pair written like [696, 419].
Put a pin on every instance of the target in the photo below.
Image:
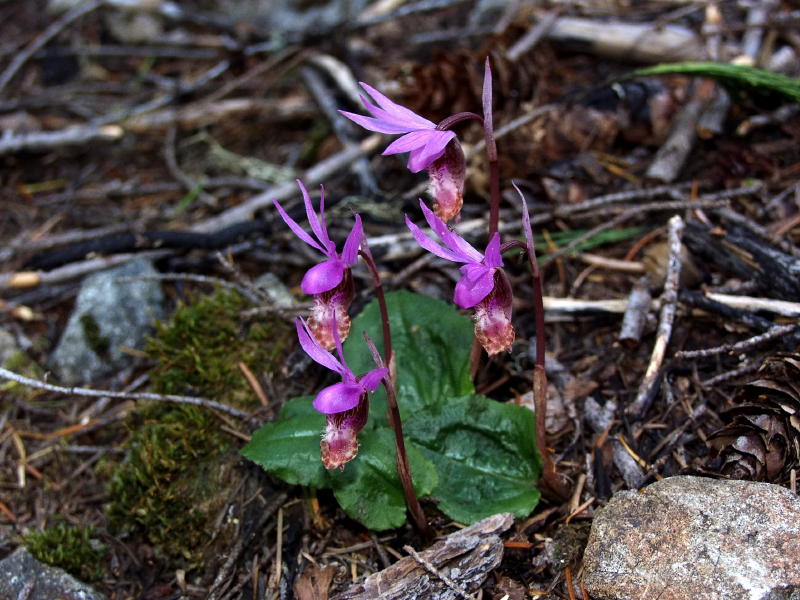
[277, 292]
[109, 315]
[692, 538]
[25, 577]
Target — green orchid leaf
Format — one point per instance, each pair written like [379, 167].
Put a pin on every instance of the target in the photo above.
[485, 455]
[736, 77]
[369, 488]
[289, 446]
[431, 341]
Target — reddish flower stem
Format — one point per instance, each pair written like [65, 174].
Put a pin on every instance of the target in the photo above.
[403, 468]
[554, 485]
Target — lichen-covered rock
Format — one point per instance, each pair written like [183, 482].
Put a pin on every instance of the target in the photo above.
[696, 539]
[109, 314]
[22, 576]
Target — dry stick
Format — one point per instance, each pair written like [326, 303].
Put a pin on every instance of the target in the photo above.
[341, 126]
[749, 367]
[70, 136]
[617, 197]
[316, 174]
[533, 35]
[403, 468]
[635, 318]
[79, 391]
[48, 34]
[671, 157]
[194, 115]
[747, 344]
[171, 158]
[27, 279]
[669, 302]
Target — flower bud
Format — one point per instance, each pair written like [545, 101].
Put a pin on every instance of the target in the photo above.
[339, 443]
[331, 308]
[446, 176]
[492, 316]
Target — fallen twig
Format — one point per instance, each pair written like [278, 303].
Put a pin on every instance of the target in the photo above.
[638, 308]
[669, 302]
[312, 176]
[79, 391]
[747, 344]
[27, 279]
[672, 155]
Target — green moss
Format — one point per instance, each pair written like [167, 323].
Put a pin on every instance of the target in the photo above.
[200, 350]
[69, 548]
[165, 487]
[97, 342]
[177, 472]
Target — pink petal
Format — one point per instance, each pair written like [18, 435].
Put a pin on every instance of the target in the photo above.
[477, 283]
[409, 142]
[311, 347]
[296, 229]
[389, 119]
[493, 256]
[421, 158]
[458, 245]
[352, 243]
[337, 398]
[430, 245]
[372, 379]
[317, 225]
[323, 277]
[379, 125]
[400, 112]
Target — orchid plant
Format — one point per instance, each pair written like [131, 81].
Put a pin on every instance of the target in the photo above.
[345, 405]
[330, 282]
[426, 364]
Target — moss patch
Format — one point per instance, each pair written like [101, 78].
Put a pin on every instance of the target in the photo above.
[200, 350]
[165, 489]
[68, 548]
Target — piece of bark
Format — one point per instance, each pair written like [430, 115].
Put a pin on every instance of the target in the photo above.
[739, 253]
[464, 558]
[635, 319]
[314, 583]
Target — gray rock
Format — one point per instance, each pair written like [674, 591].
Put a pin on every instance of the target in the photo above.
[25, 577]
[695, 539]
[109, 314]
[276, 290]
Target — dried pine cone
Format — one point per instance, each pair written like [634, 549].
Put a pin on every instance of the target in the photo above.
[762, 438]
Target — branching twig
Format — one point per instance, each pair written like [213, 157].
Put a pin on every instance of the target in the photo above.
[747, 344]
[669, 302]
[79, 391]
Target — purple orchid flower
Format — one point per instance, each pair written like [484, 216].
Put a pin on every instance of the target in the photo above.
[330, 282]
[345, 405]
[483, 286]
[428, 146]
[424, 142]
